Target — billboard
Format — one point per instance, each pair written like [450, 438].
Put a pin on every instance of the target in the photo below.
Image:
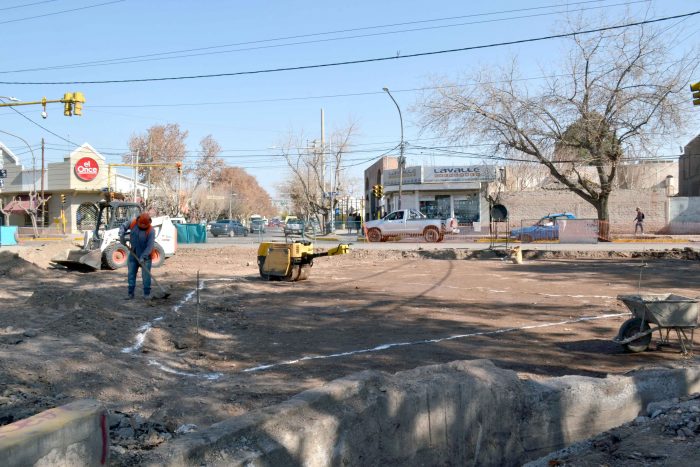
[472, 173]
[410, 175]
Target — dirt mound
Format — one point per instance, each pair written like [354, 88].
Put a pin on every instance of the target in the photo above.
[15, 267]
[62, 299]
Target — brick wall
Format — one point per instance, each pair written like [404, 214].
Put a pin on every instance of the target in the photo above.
[529, 205]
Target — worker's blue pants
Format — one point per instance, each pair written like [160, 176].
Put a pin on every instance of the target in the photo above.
[133, 266]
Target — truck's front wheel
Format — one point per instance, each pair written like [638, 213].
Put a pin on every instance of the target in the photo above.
[374, 235]
[431, 235]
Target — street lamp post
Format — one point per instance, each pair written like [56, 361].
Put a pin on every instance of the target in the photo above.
[402, 159]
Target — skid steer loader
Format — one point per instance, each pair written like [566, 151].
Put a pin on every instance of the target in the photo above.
[291, 261]
[101, 247]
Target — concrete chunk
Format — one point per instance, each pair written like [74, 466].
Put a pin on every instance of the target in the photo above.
[72, 435]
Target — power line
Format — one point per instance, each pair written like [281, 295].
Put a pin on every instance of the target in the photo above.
[26, 5]
[60, 12]
[44, 128]
[355, 62]
[159, 55]
[109, 62]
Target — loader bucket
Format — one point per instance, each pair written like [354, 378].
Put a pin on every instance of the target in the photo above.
[80, 260]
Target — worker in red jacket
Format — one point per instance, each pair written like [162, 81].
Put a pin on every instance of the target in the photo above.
[142, 238]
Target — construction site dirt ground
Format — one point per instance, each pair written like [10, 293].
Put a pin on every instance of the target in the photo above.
[252, 343]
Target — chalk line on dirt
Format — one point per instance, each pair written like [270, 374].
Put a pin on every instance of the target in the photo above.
[167, 369]
[146, 328]
[429, 341]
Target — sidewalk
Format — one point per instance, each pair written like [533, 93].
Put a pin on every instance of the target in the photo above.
[483, 237]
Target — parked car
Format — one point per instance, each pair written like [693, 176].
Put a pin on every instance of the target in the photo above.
[294, 226]
[257, 225]
[546, 228]
[410, 223]
[228, 227]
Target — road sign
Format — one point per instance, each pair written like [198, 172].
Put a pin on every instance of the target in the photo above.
[3, 173]
[216, 197]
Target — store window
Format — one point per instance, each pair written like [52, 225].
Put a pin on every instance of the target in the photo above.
[86, 217]
[467, 210]
[429, 208]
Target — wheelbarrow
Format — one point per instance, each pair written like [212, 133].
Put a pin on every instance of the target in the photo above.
[669, 312]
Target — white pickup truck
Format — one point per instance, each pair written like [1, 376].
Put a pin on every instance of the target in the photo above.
[409, 223]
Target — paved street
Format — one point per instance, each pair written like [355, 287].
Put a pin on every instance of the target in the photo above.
[410, 244]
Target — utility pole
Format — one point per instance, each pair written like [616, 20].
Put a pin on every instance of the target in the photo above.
[42, 182]
[323, 167]
[150, 161]
[230, 198]
[136, 172]
[333, 181]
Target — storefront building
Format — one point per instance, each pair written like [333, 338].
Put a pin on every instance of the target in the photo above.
[73, 188]
[441, 191]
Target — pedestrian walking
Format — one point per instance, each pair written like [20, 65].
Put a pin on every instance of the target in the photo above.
[639, 222]
[351, 221]
[142, 238]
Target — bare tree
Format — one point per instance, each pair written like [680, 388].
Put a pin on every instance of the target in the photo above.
[316, 172]
[610, 99]
[165, 145]
[243, 192]
[208, 163]
[35, 204]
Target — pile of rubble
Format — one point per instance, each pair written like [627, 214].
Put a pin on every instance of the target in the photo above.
[669, 434]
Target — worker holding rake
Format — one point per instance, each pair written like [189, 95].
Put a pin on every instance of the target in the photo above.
[142, 238]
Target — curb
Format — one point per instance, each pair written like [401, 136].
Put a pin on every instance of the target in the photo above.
[72, 434]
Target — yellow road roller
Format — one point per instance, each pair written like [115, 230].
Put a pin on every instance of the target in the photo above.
[291, 261]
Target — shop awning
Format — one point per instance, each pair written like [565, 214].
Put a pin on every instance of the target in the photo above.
[18, 206]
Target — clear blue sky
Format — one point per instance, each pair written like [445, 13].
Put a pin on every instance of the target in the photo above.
[251, 113]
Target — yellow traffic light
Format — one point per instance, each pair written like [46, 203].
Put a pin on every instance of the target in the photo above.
[78, 101]
[67, 104]
[695, 89]
[380, 191]
[63, 198]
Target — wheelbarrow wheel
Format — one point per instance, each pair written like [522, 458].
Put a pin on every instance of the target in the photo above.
[631, 327]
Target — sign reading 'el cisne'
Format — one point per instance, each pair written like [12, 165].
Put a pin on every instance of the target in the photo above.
[86, 169]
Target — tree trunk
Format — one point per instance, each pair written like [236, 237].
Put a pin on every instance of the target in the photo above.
[603, 218]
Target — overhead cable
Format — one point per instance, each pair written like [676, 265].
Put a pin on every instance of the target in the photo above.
[355, 62]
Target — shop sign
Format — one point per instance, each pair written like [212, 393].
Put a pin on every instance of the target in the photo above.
[410, 175]
[86, 169]
[472, 173]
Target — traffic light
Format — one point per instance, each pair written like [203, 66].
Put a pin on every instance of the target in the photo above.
[67, 104]
[695, 89]
[179, 167]
[63, 198]
[378, 191]
[78, 101]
